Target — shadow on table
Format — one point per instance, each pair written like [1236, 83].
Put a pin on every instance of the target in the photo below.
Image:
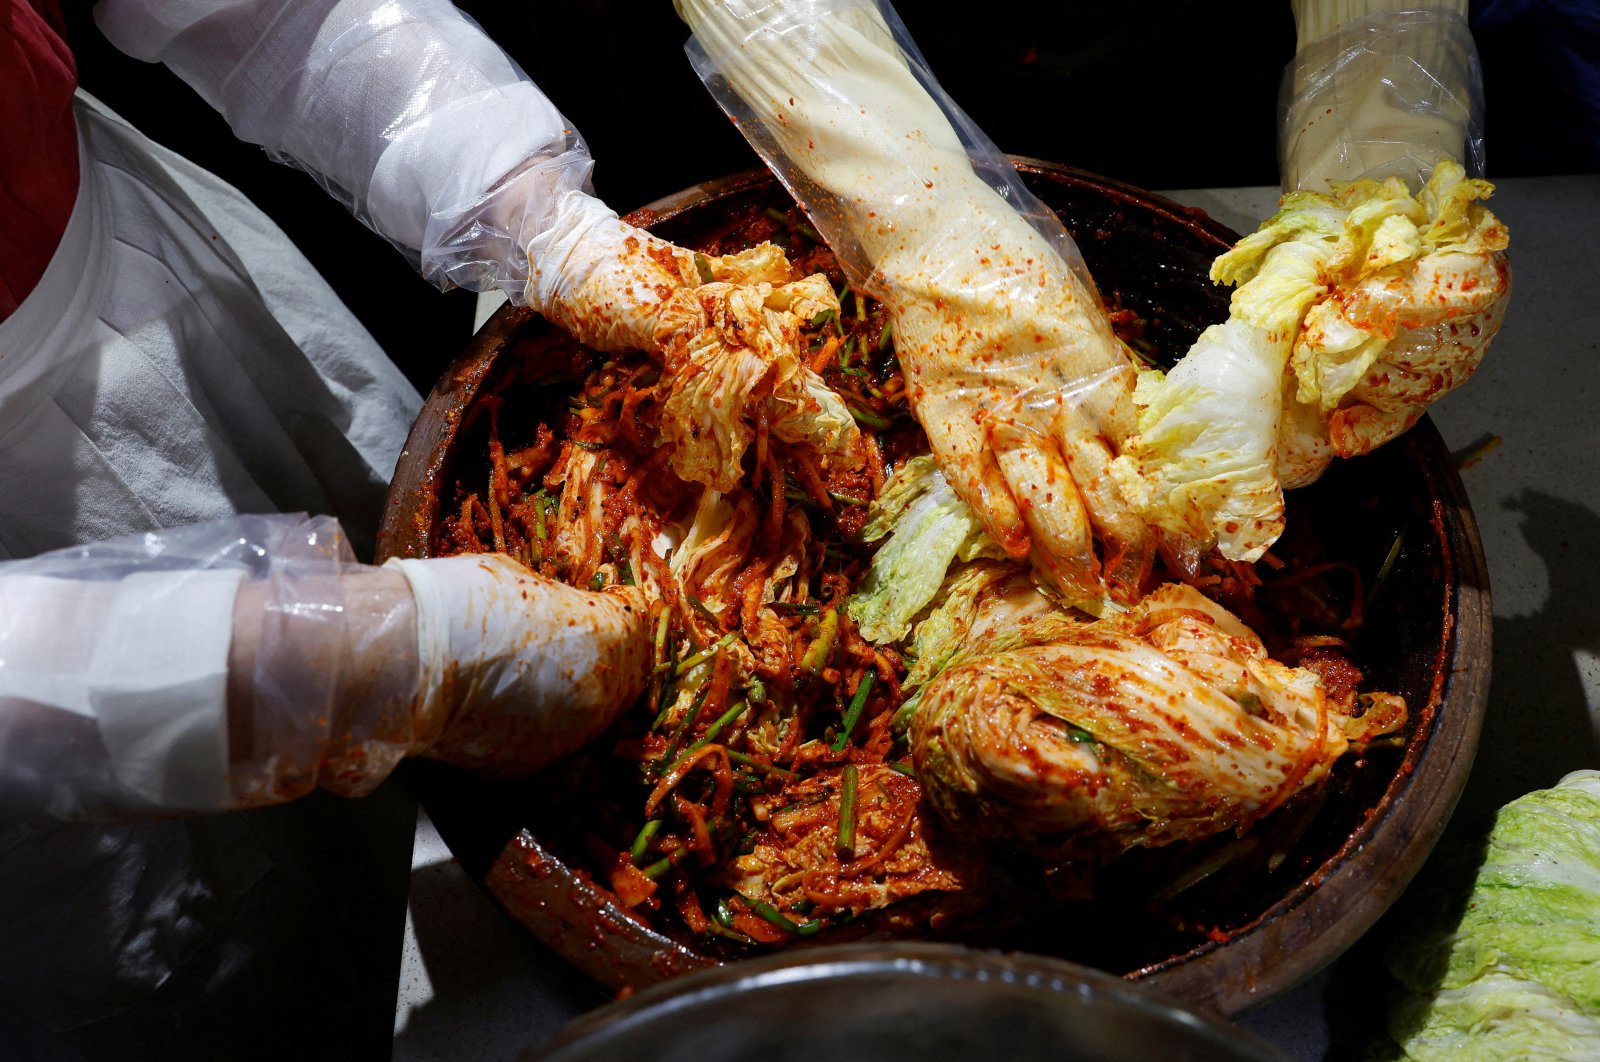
[1538, 728]
[496, 991]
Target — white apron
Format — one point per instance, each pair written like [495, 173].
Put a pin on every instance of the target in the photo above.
[180, 361]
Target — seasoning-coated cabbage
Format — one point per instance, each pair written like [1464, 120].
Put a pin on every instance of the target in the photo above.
[1164, 723]
[1353, 312]
[929, 528]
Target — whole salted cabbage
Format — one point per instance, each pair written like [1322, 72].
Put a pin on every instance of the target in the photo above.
[1167, 722]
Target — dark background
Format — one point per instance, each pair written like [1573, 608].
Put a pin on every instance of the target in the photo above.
[1158, 94]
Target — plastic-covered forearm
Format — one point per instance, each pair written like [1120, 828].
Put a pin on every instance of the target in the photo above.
[198, 669]
[1374, 289]
[1379, 88]
[324, 671]
[403, 109]
[250, 660]
[1010, 363]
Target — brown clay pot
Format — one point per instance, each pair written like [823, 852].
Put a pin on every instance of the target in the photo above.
[1427, 637]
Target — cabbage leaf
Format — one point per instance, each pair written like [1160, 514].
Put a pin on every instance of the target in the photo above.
[929, 528]
[1500, 954]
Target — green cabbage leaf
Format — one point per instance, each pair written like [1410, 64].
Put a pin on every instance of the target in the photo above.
[1500, 957]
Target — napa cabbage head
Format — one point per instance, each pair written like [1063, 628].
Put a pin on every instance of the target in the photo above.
[1164, 723]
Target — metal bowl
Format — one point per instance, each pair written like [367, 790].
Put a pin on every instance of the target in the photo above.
[901, 1003]
[1224, 946]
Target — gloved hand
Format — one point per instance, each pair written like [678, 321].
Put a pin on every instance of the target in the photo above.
[1374, 289]
[725, 327]
[472, 660]
[250, 660]
[1010, 363]
[1380, 91]
[517, 670]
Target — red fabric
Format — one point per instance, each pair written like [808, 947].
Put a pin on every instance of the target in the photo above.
[38, 143]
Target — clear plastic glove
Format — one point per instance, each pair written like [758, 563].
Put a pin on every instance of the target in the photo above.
[517, 669]
[1379, 88]
[1010, 362]
[1383, 107]
[249, 660]
[726, 328]
[1374, 290]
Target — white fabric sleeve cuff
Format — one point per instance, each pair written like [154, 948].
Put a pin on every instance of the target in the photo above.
[146, 657]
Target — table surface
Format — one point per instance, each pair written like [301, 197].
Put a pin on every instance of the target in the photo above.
[475, 984]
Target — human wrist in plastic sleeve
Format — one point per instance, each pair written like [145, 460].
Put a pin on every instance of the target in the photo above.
[1315, 19]
[1375, 288]
[1388, 93]
[987, 291]
[403, 109]
[324, 679]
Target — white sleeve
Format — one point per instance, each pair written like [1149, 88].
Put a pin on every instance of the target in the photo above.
[141, 662]
[403, 109]
[1379, 88]
[114, 672]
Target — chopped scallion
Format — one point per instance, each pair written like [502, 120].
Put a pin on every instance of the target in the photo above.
[853, 713]
[817, 655]
[539, 528]
[666, 863]
[716, 728]
[1387, 567]
[847, 814]
[705, 654]
[870, 420]
[641, 843]
[798, 608]
[766, 768]
[704, 612]
[771, 914]
[684, 726]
